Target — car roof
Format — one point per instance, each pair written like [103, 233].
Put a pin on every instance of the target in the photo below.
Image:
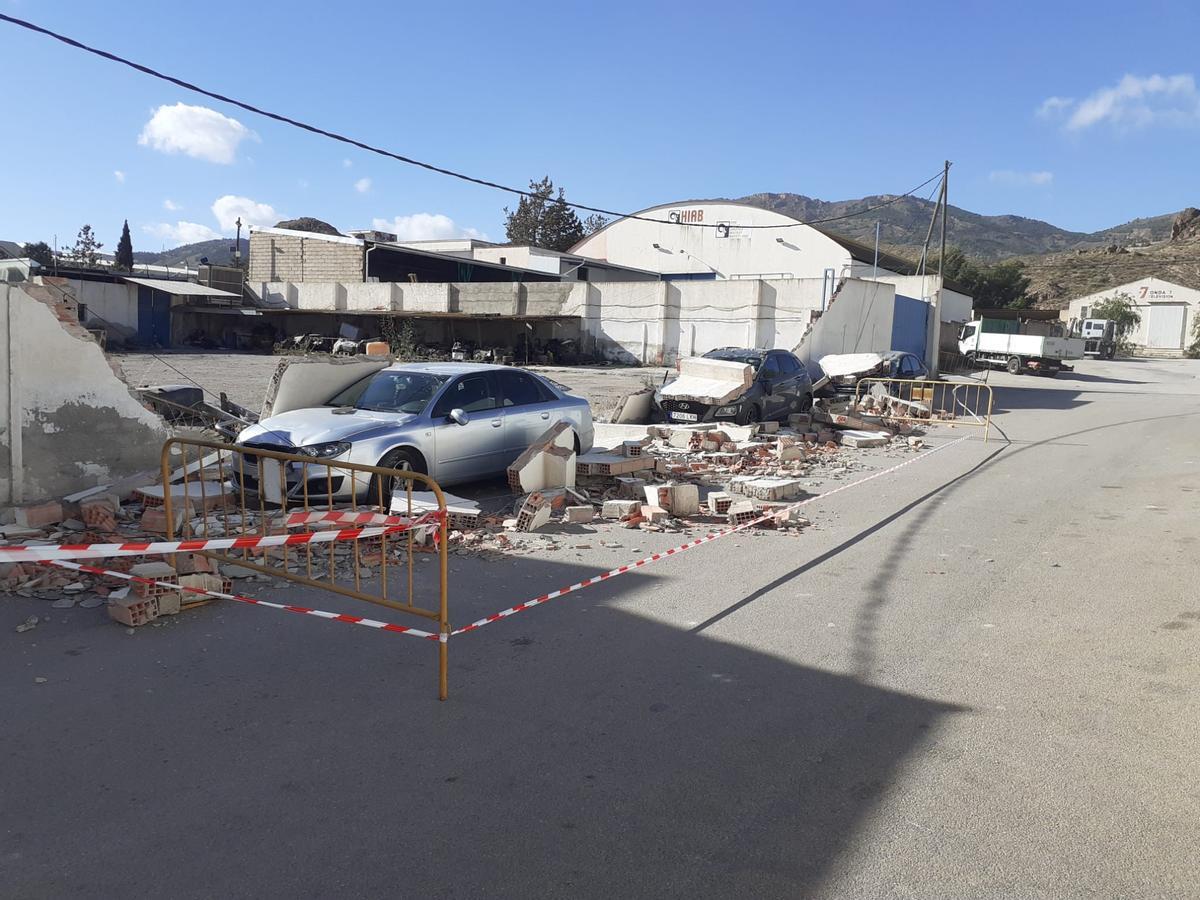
[445, 368]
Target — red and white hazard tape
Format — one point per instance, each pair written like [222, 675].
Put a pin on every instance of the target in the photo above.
[134, 548]
[345, 517]
[302, 610]
[708, 538]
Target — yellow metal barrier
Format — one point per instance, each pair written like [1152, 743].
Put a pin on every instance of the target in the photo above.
[958, 403]
[236, 490]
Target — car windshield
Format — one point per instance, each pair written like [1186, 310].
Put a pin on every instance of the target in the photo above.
[388, 391]
[751, 359]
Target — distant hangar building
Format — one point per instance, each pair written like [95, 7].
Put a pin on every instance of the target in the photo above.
[743, 241]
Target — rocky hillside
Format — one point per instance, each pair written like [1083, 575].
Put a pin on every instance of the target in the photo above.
[219, 253]
[904, 223]
[1056, 278]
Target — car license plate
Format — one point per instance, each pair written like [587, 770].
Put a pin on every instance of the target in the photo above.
[684, 417]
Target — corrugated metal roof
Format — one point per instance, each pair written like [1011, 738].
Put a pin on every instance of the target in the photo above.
[180, 288]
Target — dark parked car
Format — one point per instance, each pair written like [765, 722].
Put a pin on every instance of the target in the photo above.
[781, 387]
[898, 364]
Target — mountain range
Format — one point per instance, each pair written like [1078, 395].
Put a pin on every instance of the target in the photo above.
[219, 253]
[905, 221]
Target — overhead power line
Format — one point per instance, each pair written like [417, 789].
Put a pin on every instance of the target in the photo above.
[333, 135]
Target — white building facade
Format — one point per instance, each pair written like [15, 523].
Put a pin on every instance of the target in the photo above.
[1168, 313]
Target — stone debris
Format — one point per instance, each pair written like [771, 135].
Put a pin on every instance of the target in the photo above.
[579, 515]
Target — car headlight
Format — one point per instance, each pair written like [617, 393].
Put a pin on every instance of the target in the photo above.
[326, 451]
[727, 411]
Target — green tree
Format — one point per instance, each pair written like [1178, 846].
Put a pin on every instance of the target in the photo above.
[86, 251]
[544, 219]
[1120, 309]
[594, 223]
[991, 287]
[124, 260]
[40, 253]
[1193, 350]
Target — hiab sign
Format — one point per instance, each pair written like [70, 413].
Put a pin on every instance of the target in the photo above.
[686, 216]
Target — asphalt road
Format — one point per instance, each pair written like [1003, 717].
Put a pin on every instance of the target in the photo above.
[975, 677]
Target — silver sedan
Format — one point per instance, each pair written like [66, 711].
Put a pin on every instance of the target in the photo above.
[452, 421]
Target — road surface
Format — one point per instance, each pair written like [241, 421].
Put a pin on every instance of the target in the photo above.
[973, 678]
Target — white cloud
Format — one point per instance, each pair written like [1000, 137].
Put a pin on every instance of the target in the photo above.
[229, 208]
[195, 131]
[1052, 107]
[119, 175]
[181, 232]
[1132, 103]
[170, 205]
[1021, 179]
[425, 227]
[362, 185]
[346, 164]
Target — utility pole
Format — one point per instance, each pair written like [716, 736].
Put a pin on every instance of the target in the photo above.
[945, 188]
[237, 244]
[875, 269]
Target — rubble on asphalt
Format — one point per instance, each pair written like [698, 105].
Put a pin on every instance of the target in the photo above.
[656, 478]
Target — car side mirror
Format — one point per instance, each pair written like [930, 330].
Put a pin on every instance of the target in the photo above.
[458, 417]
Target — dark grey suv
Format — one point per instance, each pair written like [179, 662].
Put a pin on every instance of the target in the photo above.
[781, 387]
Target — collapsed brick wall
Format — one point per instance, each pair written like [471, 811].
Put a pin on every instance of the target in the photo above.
[70, 421]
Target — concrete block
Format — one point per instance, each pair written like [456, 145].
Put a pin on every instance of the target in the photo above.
[789, 454]
[774, 488]
[613, 463]
[766, 427]
[99, 514]
[655, 515]
[619, 509]
[154, 519]
[534, 513]
[742, 512]
[634, 448]
[192, 563]
[719, 502]
[678, 499]
[132, 610]
[549, 462]
[578, 515]
[40, 516]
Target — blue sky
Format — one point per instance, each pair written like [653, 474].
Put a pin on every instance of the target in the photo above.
[1082, 114]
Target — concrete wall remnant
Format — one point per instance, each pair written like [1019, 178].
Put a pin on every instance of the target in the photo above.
[69, 421]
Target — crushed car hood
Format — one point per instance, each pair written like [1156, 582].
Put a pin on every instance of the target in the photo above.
[321, 425]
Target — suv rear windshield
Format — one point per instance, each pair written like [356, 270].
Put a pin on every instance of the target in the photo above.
[388, 391]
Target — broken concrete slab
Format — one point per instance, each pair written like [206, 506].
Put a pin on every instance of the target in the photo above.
[839, 364]
[634, 408]
[548, 462]
[711, 381]
[460, 513]
[863, 439]
[655, 515]
[303, 382]
[773, 488]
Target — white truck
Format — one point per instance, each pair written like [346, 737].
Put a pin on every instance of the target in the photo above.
[992, 342]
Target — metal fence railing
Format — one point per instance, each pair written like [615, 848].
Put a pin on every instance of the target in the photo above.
[957, 403]
[232, 490]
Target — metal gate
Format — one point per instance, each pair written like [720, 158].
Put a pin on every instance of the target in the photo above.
[372, 526]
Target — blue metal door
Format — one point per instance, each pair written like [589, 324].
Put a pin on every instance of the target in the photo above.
[154, 317]
[909, 321]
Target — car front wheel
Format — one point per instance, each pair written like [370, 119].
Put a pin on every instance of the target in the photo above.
[402, 459]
